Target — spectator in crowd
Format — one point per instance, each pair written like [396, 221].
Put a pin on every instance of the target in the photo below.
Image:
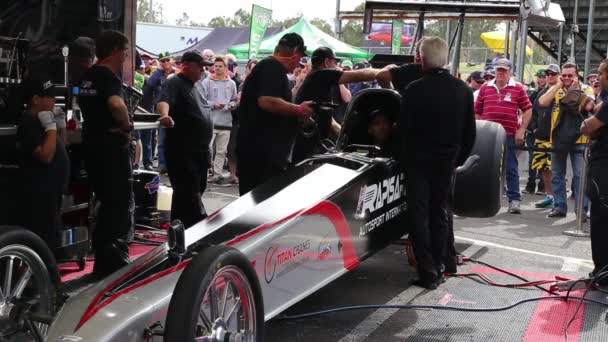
[346, 65]
[220, 92]
[597, 185]
[355, 87]
[177, 65]
[209, 56]
[299, 74]
[567, 83]
[541, 121]
[232, 159]
[147, 59]
[186, 115]
[139, 80]
[43, 161]
[322, 84]
[597, 89]
[541, 82]
[268, 119]
[152, 91]
[500, 100]
[591, 79]
[475, 80]
[232, 69]
[106, 137]
[438, 124]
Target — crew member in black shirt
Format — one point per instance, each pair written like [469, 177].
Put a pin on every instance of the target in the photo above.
[44, 163]
[106, 139]
[268, 119]
[322, 85]
[597, 184]
[187, 115]
[438, 126]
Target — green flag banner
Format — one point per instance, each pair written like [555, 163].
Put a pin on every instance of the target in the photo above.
[260, 20]
[396, 37]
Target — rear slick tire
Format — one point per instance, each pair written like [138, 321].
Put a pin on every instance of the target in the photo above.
[218, 298]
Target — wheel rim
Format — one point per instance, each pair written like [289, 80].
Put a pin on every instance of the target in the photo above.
[25, 287]
[227, 311]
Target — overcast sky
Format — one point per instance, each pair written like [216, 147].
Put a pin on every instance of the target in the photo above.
[204, 10]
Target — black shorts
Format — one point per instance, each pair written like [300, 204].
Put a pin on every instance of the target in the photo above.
[232, 143]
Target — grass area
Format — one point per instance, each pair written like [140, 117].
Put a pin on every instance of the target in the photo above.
[466, 70]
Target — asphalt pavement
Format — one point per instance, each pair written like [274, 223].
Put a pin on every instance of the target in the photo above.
[529, 244]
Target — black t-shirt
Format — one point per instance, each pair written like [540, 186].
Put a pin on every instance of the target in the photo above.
[404, 75]
[52, 177]
[97, 85]
[262, 135]
[437, 120]
[541, 117]
[599, 148]
[191, 113]
[321, 86]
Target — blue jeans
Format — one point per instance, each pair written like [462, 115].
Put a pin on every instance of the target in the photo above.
[559, 164]
[513, 193]
[147, 144]
[162, 162]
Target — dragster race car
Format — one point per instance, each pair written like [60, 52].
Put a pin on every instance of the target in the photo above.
[221, 279]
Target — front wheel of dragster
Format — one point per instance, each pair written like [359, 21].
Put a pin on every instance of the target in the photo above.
[217, 298]
[28, 285]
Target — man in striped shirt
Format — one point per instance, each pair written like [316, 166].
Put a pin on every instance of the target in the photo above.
[500, 101]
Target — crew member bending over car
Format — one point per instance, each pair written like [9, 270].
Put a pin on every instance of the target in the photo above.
[106, 137]
[187, 115]
[268, 119]
[43, 160]
[322, 85]
[438, 127]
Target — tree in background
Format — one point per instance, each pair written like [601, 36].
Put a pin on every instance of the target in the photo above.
[239, 19]
[323, 25]
[352, 30]
[143, 12]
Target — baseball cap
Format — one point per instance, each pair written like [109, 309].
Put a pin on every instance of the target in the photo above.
[320, 54]
[196, 58]
[145, 54]
[553, 68]
[293, 40]
[347, 64]
[541, 73]
[43, 87]
[164, 55]
[477, 76]
[359, 66]
[304, 61]
[503, 63]
[591, 75]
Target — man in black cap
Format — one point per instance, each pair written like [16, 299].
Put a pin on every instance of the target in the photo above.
[187, 116]
[106, 139]
[475, 80]
[43, 161]
[322, 85]
[268, 119]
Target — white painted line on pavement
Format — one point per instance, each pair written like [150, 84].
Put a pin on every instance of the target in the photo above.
[580, 262]
[221, 194]
[570, 266]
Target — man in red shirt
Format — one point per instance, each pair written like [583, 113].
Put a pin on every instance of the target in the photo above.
[500, 101]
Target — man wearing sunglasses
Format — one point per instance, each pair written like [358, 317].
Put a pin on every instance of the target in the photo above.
[268, 118]
[541, 83]
[541, 123]
[568, 80]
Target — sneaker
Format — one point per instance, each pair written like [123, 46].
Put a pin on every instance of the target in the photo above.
[213, 179]
[223, 181]
[529, 189]
[514, 207]
[556, 213]
[149, 167]
[546, 203]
